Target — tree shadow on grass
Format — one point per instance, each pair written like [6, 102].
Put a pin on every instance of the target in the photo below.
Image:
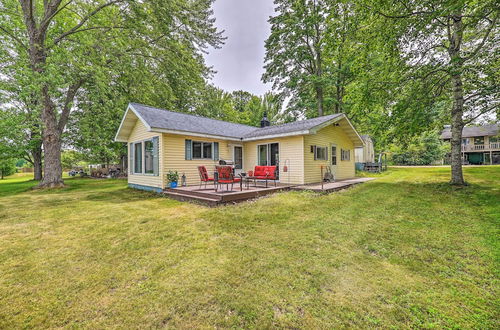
[122, 195]
[14, 188]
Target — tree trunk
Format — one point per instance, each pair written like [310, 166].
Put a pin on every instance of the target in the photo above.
[319, 99]
[338, 88]
[52, 166]
[37, 162]
[457, 126]
[457, 110]
[52, 144]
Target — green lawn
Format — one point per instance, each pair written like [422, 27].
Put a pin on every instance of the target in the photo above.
[405, 250]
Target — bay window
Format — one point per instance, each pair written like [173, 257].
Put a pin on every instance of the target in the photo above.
[138, 157]
[144, 157]
[148, 157]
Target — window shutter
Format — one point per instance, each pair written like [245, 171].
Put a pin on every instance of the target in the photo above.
[314, 150]
[326, 153]
[131, 159]
[156, 156]
[215, 148]
[188, 149]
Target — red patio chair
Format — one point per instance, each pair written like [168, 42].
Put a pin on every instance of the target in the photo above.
[202, 171]
[226, 175]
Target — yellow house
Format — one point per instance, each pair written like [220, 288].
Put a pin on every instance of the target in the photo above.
[160, 141]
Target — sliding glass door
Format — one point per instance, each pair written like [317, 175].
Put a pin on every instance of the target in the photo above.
[268, 154]
[262, 154]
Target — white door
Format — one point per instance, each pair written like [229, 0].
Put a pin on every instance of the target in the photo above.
[238, 159]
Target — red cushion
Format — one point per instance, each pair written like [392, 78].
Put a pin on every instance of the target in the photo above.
[265, 171]
[230, 181]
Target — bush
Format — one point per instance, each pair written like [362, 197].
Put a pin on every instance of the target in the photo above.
[7, 167]
[422, 150]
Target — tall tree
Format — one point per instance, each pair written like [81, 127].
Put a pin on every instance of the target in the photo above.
[455, 43]
[294, 51]
[72, 44]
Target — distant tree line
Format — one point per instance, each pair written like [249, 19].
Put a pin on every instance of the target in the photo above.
[397, 69]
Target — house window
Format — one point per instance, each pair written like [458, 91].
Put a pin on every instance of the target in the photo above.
[494, 139]
[148, 157]
[138, 157]
[144, 157]
[202, 150]
[321, 153]
[262, 155]
[334, 155]
[479, 140]
[345, 154]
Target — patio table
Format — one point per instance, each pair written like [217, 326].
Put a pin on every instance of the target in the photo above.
[246, 179]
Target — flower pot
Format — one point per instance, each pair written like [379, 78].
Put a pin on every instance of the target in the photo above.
[173, 184]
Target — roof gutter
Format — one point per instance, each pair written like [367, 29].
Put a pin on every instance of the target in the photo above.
[272, 136]
[176, 132]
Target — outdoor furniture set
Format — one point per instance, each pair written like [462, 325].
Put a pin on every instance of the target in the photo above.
[225, 175]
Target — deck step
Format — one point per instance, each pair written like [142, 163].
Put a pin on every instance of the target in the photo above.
[210, 201]
[194, 193]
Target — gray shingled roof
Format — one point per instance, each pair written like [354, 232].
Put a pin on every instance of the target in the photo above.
[164, 119]
[170, 120]
[300, 125]
[471, 131]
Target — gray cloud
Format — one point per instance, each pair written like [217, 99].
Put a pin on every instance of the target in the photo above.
[239, 63]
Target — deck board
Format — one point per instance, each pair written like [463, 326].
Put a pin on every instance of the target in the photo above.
[332, 186]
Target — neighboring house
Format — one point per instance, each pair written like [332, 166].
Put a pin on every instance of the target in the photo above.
[366, 153]
[480, 144]
[160, 140]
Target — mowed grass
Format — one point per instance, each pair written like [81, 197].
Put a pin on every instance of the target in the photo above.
[405, 250]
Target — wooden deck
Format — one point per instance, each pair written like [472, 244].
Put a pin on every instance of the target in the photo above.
[210, 197]
[332, 186]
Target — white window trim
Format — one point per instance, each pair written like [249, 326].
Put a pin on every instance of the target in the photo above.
[268, 151]
[143, 157]
[331, 155]
[242, 153]
[134, 144]
[342, 153]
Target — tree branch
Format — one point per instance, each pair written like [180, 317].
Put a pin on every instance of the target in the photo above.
[51, 10]
[483, 112]
[70, 96]
[483, 41]
[27, 7]
[84, 20]
[14, 37]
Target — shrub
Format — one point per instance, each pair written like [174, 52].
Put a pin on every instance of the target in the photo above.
[422, 150]
[7, 167]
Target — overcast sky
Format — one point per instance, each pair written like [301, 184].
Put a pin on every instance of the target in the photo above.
[239, 63]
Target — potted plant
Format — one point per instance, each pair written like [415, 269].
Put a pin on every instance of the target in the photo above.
[172, 178]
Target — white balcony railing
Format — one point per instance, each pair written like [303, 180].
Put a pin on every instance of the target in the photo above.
[481, 147]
